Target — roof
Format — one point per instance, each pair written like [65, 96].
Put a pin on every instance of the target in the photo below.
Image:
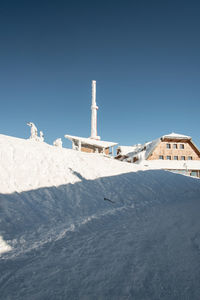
[125, 150]
[92, 142]
[174, 135]
[141, 151]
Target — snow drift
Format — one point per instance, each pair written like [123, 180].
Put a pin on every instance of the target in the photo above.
[61, 238]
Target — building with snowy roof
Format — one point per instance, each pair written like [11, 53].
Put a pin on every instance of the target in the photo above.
[93, 144]
[173, 152]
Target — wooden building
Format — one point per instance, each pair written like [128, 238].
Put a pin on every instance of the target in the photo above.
[91, 145]
[174, 152]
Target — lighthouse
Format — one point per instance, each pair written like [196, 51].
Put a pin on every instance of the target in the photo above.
[94, 109]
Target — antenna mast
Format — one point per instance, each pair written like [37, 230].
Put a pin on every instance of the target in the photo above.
[94, 109]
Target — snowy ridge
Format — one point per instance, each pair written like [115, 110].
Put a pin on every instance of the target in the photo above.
[27, 165]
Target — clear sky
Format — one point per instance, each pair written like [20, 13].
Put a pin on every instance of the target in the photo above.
[144, 55]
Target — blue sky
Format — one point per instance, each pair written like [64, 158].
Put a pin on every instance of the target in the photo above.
[144, 56]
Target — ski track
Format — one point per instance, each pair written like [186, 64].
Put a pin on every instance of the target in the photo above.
[27, 243]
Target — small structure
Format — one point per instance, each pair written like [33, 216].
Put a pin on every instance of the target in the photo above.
[173, 152]
[58, 143]
[90, 145]
[93, 144]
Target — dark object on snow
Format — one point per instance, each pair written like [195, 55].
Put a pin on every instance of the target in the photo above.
[106, 199]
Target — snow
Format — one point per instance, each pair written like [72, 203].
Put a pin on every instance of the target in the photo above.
[176, 136]
[125, 150]
[172, 164]
[60, 239]
[90, 141]
[149, 147]
[4, 247]
[141, 151]
[27, 165]
[58, 143]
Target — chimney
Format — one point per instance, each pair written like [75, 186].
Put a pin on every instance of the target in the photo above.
[94, 109]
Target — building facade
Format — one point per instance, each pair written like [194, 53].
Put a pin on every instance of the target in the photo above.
[91, 145]
[174, 152]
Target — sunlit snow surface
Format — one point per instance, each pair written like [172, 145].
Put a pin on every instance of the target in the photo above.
[69, 243]
[4, 247]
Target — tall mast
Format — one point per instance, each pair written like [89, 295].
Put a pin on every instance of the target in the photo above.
[94, 109]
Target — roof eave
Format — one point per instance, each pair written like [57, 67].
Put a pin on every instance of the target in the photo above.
[71, 138]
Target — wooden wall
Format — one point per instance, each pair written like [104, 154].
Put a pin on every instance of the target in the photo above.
[161, 149]
[88, 149]
[92, 149]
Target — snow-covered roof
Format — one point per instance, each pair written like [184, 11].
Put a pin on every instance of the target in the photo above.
[141, 151]
[92, 142]
[150, 147]
[174, 135]
[125, 150]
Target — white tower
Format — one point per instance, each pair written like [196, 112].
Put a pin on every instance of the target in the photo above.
[94, 109]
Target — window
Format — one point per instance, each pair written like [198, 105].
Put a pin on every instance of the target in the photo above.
[189, 157]
[194, 173]
[175, 157]
[168, 146]
[174, 146]
[161, 157]
[169, 157]
[182, 157]
[181, 146]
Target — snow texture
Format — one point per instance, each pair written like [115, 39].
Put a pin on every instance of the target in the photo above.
[67, 242]
[27, 165]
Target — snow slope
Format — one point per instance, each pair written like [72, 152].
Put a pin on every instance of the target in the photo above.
[27, 165]
[61, 239]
